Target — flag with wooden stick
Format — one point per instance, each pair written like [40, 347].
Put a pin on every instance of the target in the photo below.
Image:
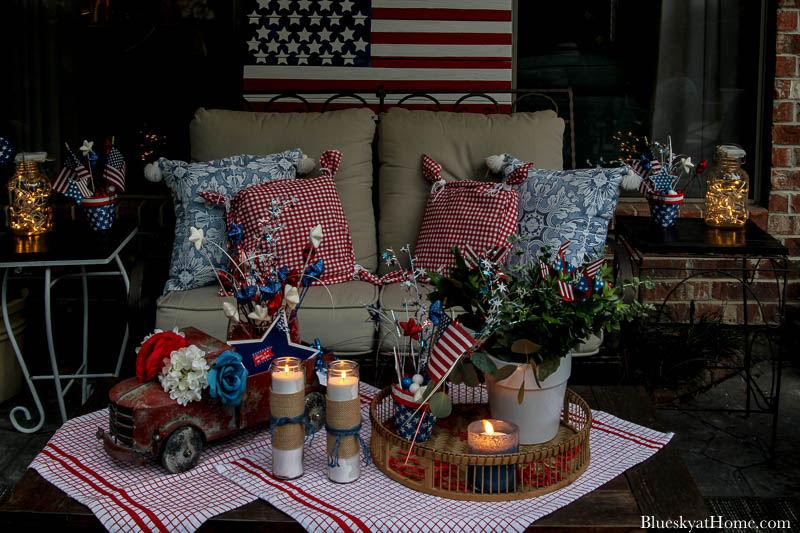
[114, 173]
[451, 343]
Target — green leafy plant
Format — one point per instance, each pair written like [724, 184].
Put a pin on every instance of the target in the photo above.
[520, 317]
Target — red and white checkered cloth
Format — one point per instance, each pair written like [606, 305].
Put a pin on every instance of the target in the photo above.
[376, 503]
[127, 497]
[461, 213]
[315, 202]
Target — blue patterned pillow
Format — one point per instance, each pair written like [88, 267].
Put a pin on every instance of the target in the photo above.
[188, 268]
[556, 206]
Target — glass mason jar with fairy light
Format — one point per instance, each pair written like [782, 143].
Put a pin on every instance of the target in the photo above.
[727, 185]
[29, 196]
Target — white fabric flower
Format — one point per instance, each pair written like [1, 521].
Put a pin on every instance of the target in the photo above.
[316, 236]
[291, 296]
[185, 374]
[197, 238]
[231, 311]
[86, 147]
[259, 315]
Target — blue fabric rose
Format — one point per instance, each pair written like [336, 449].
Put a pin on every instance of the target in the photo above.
[228, 378]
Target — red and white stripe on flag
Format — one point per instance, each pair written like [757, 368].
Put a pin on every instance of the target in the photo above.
[82, 181]
[566, 291]
[594, 267]
[451, 344]
[114, 172]
[400, 44]
[61, 182]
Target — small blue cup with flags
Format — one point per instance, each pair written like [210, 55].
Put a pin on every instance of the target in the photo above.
[407, 423]
[100, 211]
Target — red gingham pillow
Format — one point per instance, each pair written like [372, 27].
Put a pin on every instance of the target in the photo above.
[314, 201]
[460, 213]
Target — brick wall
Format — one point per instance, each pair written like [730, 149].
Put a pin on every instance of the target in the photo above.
[784, 198]
[718, 293]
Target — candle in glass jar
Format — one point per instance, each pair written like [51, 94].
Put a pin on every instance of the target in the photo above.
[287, 402]
[492, 437]
[342, 384]
[288, 378]
[343, 411]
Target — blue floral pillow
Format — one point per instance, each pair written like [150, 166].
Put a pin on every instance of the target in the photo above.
[556, 206]
[188, 268]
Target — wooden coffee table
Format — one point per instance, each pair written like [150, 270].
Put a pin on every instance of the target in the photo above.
[659, 487]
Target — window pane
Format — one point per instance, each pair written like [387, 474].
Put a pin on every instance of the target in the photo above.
[683, 68]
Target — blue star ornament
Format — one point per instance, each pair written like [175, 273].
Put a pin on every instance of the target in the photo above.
[257, 354]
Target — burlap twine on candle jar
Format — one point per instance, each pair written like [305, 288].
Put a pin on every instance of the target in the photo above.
[288, 436]
[343, 415]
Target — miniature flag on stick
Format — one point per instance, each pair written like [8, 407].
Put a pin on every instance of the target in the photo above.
[73, 192]
[594, 267]
[453, 340]
[114, 172]
[73, 172]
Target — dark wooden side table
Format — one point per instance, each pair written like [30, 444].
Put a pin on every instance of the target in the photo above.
[660, 487]
[70, 245]
[750, 248]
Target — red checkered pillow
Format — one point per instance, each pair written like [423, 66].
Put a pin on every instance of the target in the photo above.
[314, 201]
[460, 213]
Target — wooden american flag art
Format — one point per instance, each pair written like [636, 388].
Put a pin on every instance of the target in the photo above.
[442, 45]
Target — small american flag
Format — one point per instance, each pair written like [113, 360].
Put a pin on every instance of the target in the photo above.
[594, 267]
[359, 44]
[639, 169]
[73, 172]
[544, 270]
[494, 255]
[114, 172]
[73, 192]
[566, 291]
[451, 343]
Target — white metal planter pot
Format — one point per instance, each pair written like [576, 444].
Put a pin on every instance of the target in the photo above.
[540, 411]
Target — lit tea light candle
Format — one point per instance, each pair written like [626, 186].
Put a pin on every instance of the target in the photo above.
[287, 401]
[492, 437]
[343, 412]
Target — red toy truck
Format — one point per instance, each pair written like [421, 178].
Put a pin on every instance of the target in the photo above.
[145, 423]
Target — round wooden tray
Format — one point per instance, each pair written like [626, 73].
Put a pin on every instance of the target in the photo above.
[441, 466]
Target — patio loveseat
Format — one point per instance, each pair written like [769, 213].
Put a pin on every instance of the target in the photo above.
[382, 191]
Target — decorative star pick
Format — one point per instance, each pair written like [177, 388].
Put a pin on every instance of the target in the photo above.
[258, 353]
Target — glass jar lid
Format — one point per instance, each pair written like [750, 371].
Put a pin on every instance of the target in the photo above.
[730, 151]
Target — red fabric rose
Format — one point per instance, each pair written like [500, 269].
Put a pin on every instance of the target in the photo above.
[150, 358]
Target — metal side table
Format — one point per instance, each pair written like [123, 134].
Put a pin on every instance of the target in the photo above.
[752, 249]
[70, 245]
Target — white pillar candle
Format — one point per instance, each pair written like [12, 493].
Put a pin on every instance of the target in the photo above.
[343, 387]
[287, 400]
[287, 464]
[349, 469]
[288, 379]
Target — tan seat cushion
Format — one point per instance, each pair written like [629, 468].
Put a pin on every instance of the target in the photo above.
[341, 326]
[218, 133]
[460, 142]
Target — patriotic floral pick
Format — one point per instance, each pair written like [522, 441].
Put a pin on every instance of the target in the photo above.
[532, 313]
[261, 285]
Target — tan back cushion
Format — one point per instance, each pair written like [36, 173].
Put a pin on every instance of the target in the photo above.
[460, 142]
[218, 133]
